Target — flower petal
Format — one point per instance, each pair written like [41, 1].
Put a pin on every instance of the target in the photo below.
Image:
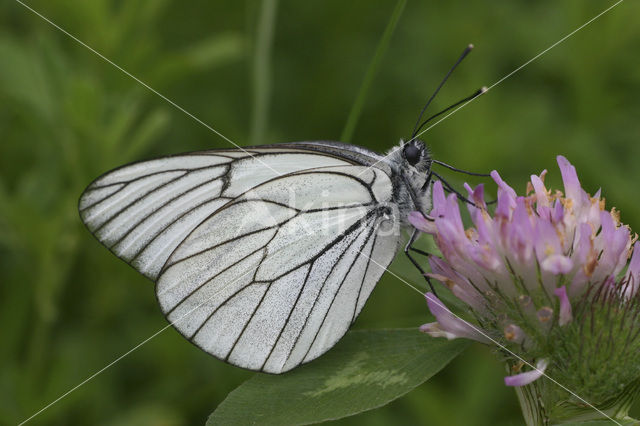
[614, 243]
[433, 329]
[438, 199]
[557, 264]
[565, 316]
[572, 186]
[542, 197]
[633, 272]
[520, 233]
[513, 333]
[558, 212]
[502, 184]
[421, 223]
[477, 196]
[506, 196]
[451, 324]
[546, 240]
[523, 379]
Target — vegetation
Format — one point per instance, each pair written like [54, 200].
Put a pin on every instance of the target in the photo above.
[68, 307]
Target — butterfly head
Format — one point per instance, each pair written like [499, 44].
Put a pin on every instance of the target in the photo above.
[417, 155]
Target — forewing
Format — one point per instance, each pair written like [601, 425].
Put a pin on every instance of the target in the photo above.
[275, 278]
[143, 211]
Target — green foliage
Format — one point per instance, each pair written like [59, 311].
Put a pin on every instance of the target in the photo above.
[261, 75]
[366, 370]
[68, 307]
[381, 49]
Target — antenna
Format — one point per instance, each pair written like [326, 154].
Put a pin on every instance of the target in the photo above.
[462, 56]
[477, 93]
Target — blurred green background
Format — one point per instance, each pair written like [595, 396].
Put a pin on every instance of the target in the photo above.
[68, 307]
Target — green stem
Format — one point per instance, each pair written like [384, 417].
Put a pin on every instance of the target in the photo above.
[383, 44]
[530, 404]
[261, 75]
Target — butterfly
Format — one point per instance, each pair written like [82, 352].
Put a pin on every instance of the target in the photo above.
[263, 256]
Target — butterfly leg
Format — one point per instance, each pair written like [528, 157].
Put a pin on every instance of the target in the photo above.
[422, 252]
[407, 251]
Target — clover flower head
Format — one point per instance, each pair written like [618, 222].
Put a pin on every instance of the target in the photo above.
[549, 276]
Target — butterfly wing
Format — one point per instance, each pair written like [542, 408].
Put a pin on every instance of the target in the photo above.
[275, 278]
[198, 223]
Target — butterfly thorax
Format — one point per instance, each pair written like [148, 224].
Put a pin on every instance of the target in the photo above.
[410, 163]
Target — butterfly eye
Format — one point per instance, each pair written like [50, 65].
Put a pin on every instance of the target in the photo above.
[412, 153]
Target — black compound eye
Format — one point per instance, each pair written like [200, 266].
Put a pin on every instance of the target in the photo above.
[412, 153]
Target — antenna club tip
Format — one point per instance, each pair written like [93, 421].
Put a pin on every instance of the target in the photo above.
[470, 46]
[484, 89]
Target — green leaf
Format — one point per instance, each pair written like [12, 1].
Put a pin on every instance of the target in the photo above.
[366, 370]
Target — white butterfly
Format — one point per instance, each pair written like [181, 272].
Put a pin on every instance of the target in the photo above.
[262, 257]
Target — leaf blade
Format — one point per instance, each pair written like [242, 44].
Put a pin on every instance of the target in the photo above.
[366, 370]
[381, 49]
